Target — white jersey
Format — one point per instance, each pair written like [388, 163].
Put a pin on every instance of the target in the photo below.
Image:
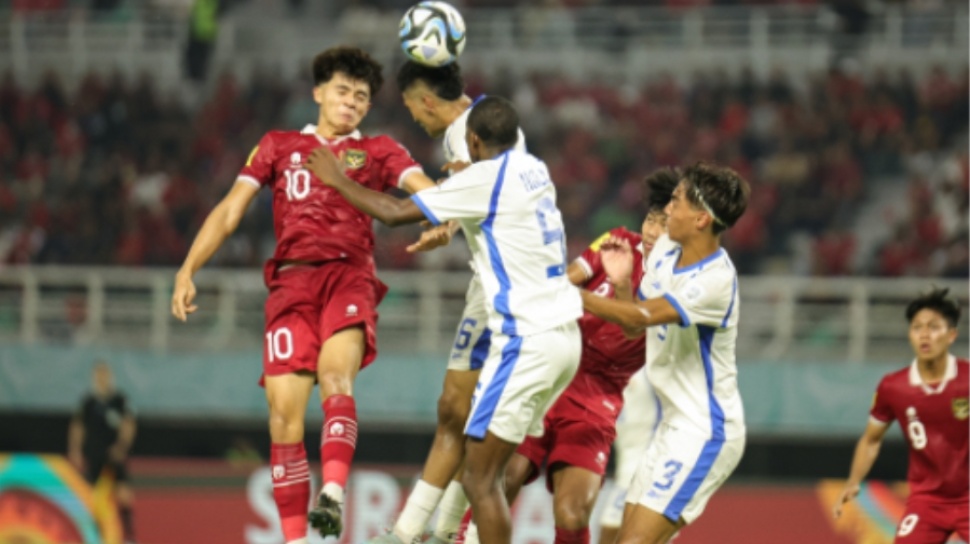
[692, 365]
[456, 149]
[506, 207]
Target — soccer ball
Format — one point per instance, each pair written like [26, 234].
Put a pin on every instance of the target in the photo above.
[432, 33]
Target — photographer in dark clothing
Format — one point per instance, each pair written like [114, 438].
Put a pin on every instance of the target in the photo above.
[100, 436]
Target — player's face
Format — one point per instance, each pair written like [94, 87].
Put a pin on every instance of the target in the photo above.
[654, 225]
[930, 335]
[681, 215]
[343, 103]
[103, 380]
[417, 101]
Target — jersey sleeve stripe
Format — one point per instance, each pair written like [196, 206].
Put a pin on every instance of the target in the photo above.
[250, 180]
[684, 318]
[584, 264]
[425, 209]
[877, 421]
[408, 171]
[734, 293]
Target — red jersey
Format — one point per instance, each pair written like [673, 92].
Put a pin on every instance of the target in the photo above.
[312, 222]
[934, 420]
[609, 358]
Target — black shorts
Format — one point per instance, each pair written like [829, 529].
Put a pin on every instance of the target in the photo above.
[95, 465]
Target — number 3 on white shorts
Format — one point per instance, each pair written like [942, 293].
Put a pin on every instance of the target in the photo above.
[907, 524]
[279, 344]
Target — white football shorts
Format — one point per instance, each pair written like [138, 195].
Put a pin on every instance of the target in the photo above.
[681, 471]
[521, 379]
[473, 337]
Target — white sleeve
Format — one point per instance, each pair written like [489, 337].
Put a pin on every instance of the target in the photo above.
[466, 195]
[707, 299]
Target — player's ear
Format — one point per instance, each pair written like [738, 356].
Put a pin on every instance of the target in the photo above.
[318, 93]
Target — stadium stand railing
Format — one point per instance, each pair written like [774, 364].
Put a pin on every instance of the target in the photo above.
[616, 43]
[794, 319]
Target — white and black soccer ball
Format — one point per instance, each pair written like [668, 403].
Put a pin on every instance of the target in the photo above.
[432, 33]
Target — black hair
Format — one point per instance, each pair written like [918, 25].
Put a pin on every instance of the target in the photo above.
[937, 301]
[353, 61]
[495, 121]
[444, 81]
[718, 189]
[658, 186]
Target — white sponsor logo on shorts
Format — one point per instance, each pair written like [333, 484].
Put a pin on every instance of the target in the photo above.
[351, 310]
[279, 471]
[600, 458]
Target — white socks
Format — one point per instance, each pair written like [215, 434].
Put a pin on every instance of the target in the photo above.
[471, 535]
[334, 491]
[298, 541]
[453, 506]
[417, 511]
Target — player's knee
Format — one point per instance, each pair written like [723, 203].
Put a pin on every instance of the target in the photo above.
[477, 483]
[453, 409]
[284, 423]
[335, 382]
[572, 513]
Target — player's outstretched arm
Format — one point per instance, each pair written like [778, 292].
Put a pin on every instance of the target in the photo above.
[631, 315]
[75, 438]
[221, 222]
[866, 452]
[383, 207]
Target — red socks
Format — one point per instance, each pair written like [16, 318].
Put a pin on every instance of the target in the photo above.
[463, 527]
[291, 487]
[339, 439]
[576, 536]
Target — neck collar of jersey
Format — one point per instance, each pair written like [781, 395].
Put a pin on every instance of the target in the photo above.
[478, 99]
[312, 129]
[916, 380]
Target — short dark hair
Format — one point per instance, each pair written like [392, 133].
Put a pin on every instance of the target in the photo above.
[937, 301]
[659, 185]
[495, 121]
[352, 61]
[444, 81]
[719, 190]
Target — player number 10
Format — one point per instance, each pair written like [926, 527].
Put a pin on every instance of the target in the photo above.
[297, 184]
[279, 344]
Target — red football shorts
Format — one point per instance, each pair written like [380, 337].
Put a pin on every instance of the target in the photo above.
[932, 522]
[307, 304]
[572, 435]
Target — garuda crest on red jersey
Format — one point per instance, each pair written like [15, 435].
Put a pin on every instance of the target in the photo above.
[961, 408]
[354, 158]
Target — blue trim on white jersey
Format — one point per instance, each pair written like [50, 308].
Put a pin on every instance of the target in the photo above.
[660, 414]
[640, 294]
[713, 446]
[425, 209]
[501, 301]
[684, 318]
[484, 408]
[478, 99]
[734, 292]
[480, 350]
[700, 263]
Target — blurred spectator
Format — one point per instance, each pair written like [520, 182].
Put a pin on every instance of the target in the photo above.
[116, 172]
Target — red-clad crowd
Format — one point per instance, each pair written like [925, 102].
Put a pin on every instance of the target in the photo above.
[850, 174]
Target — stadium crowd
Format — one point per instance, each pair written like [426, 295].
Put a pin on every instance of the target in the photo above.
[851, 174]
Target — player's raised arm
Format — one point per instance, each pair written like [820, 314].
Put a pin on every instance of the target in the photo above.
[220, 223]
[866, 452]
[385, 208]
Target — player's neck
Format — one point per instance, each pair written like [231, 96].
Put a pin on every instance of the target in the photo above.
[932, 371]
[454, 109]
[328, 131]
[697, 249]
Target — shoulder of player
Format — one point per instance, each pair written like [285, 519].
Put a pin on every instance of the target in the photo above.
[896, 378]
